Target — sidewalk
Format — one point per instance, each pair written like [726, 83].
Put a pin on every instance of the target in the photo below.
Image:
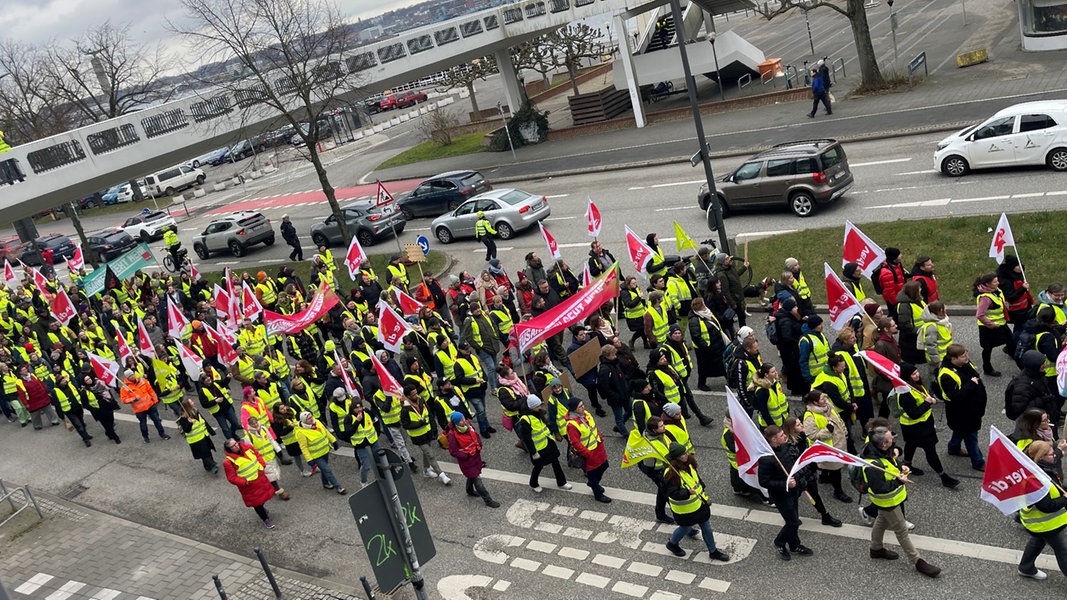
[76, 553]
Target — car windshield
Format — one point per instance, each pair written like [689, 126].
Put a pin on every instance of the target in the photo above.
[154, 216]
[114, 237]
[514, 197]
[471, 180]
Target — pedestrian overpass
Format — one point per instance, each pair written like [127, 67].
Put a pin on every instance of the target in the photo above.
[67, 166]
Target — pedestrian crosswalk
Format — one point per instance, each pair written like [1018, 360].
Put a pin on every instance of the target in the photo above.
[43, 586]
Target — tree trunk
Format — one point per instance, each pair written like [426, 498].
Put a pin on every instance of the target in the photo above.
[870, 74]
[474, 102]
[573, 72]
[75, 220]
[327, 189]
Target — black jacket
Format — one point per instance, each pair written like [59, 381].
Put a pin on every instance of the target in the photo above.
[612, 384]
[876, 480]
[965, 404]
[289, 233]
[773, 478]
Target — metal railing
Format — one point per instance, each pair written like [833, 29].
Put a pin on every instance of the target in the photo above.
[746, 78]
[833, 68]
[27, 500]
[768, 77]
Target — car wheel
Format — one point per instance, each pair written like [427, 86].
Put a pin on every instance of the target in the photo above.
[200, 180]
[1057, 159]
[168, 192]
[236, 248]
[722, 205]
[320, 240]
[196, 164]
[453, 205]
[955, 166]
[408, 215]
[269, 241]
[443, 235]
[145, 237]
[703, 202]
[505, 231]
[89, 204]
[201, 251]
[365, 237]
[802, 204]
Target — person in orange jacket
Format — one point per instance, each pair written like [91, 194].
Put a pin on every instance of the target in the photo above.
[137, 392]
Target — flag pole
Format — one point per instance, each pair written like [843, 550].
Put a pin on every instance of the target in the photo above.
[1021, 269]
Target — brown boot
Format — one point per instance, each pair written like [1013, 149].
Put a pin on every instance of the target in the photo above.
[926, 568]
[284, 495]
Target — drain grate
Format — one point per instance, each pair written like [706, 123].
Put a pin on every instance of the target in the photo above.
[74, 491]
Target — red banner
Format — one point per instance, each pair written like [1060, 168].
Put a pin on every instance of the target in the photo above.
[843, 305]
[1011, 481]
[888, 368]
[592, 219]
[320, 304]
[106, 369]
[639, 251]
[144, 342]
[860, 249]
[391, 328]
[62, 308]
[574, 309]
[823, 453]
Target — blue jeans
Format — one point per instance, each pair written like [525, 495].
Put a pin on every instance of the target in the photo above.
[325, 472]
[366, 456]
[622, 415]
[705, 531]
[151, 413]
[228, 422]
[969, 439]
[478, 404]
[284, 391]
[489, 366]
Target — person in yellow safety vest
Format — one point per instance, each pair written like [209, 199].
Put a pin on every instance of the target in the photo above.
[886, 485]
[416, 420]
[501, 317]
[267, 390]
[98, 399]
[634, 307]
[852, 277]
[689, 503]
[917, 424]
[1046, 519]
[252, 407]
[537, 440]
[934, 337]
[803, 291]
[813, 348]
[729, 446]
[315, 444]
[170, 392]
[445, 359]
[263, 440]
[396, 269]
[198, 434]
[363, 431]
[770, 402]
[484, 232]
[833, 382]
[657, 265]
[266, 293]
[823, 424]
[676, 428]
[173, 244]
[326, 257]
[679, 357]
[586, 441]
[244, 469]
[657, 321]
[471, 378]
[389, 408]
[855, 374]
[68, 400]
[965, 399]
[252, 338]
[446, 401]
[992, 318]
[1052, 296]
[338, 406]
[302, 399]
[284, 427]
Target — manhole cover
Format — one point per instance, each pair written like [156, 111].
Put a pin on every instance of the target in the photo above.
[74, 491]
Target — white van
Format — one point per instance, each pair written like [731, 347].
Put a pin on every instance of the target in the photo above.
[1032, 133]
[174, 179]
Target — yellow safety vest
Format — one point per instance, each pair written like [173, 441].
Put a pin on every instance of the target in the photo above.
[482, 228]
[731, 455]
[270, 396]
[892, 498]
[423, 383]
[587, 431]
[246, 367]
[504, 322]
[670, 388]
[919, 399]
[777, 405]
[448, 361]
[680, 434]
[470, 368]
[252, 340]
[679, 288]
[820, 350]
[397, 271]
[263, 445]
[944, 340]
[279, 364]
[995, 312]
[266, 291]
[388, 407]
[1040, 522]
[801, 287]
[660, 325]
[66, 401]
[365, 431]
[304, 401]
[420, 416]
[1050, 371]
[341, 410]
[247, 464]
[638, 309]
[197, 432]
[538, 432]
[657, 257]
[318, 440]
[856, 386]
[1061, 317]
[690, 481]
[678, 362]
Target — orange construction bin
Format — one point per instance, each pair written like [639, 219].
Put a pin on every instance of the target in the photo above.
[771, 65]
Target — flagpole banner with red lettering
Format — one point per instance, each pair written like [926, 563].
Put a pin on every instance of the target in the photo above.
[77, 260]
[843, 305]
[572, 310]
[390, 386]
[354, 258]
[749, 443]
[250, 306]
[888, 368]
[62, 308]
[177, 324]
[391, 328]
[860, 249]
[408, 305]
[1011, 481]
[592, 219]
[1002, 237]
[144, 342]
[639, 251]
[191, 361]
[10, 279]
[320, 304]
[106, 369]
[124, 347]
[553, 247]
[819, 452]
[225, 342]
[41, 282]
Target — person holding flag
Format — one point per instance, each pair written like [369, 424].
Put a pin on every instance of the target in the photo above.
[600, 259]
[689, 503]
[917, 424]
[784, 491]
[992, 321]
[1046, 519]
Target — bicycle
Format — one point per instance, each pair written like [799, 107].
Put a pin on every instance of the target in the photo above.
[168, 261]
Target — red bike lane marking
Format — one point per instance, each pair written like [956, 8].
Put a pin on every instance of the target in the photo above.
[348, 193]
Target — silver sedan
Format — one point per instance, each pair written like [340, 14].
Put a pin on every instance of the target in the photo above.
[508, 210]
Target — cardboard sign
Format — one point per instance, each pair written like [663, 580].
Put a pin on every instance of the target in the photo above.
[586, 358]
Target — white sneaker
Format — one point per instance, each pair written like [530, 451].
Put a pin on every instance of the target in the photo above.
[566, 486]
[910, 525]
[1039, 575]
[444, 479]
[307, 473]
[867, 520]
[538, 489]
[430, 473]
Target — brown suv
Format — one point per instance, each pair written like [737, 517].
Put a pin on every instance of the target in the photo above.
[800, 175]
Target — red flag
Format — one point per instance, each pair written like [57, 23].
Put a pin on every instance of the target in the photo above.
[225, 342]
[124, 347]
[390, 386]
[823, 453]
[749, 443]
[888, 368]
[9, 275]
[350, 386]
[190, 360]
[592, 218]
[176, 321]
[587, 277]
[234, 304]
[1012, 481]
[76, 261]
[223, 304]
[194, 273]
[572, 310]
[384, 197]
[106, 369]
[391, 328]
[250, 306]
[860, 249]
[553, 247]
[320, 304]
[41, 282]
[354, 258]
[640, 253]
[843, 305]
[143, 341]
[408, 305]
[62, 308]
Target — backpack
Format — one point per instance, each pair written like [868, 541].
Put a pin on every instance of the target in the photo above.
[876, 278]
[1010, 410]
[729, 360]
[1025, 340]
[857, 479]
[771, 330]
[894, 405]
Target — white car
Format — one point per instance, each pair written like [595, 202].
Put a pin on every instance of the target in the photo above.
[1031, 133]
[125, 193]
[148, 225]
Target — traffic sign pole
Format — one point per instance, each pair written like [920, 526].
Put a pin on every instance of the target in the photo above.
[401, 524]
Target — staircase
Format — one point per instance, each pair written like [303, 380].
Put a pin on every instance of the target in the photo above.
[659, 39]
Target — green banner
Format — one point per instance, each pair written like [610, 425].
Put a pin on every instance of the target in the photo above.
[124, 267]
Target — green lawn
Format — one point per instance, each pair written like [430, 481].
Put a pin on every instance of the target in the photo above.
[470, 143]
[959, 247]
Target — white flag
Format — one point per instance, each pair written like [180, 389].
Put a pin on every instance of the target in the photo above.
[1001, 237]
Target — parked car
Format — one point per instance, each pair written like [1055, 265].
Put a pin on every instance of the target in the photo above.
[508, 210]
[247, 147]
[112, 194]
[62, 249]
[147, 225]
[373, 104]
[234, 233]
[800, 175]
[278, 137]
[126, 192]
[1031, 133]
[110, 244]
[366, 222]
[91, 201]
[173, 180]
[402, 100]
[220, 157]
[12, 248]
[325, 131]
[442, 193]
[208, 158]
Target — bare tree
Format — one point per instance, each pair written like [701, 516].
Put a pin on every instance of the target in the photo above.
[437, 126]
[28, 110]
[576, 43]
[853, 10]
[288, 52]
[465, 75]
[536, 55]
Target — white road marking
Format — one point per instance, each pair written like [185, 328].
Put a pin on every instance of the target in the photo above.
[982, 199]
[507, 249]
[1057, 193]
[454, 587]
[938, 202]
[418, 228]
[559, 218]
[229, 262]
[592, 580]
[664, 185]
[880, 162]
[1032, 195]
[34, 584]
[923, 172]
[558, 572]
[675, 208]
[106, 594]
[755, 234]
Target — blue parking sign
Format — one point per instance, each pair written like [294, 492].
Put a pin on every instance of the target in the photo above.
[423, 243]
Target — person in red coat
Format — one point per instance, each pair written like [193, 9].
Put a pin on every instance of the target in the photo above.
[465, 445]
[585, 439]
[244, 468]
[34, 396]
[892, 277]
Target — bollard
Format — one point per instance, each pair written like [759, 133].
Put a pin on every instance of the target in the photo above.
[266, 569]
[366, 587]
[219, 589]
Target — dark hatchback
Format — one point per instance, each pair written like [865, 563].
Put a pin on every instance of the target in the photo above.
[62, 249]
[442, 193]
[110, 244]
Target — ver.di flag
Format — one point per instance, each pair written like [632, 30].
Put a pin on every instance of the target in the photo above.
[144, 342]
[682, 239]
[887, 368]
[823, 453]
[639, 251]
[553, 247]
[177, 324]
[1002, 237]
[62, 308]
[77, 260]
[749, 443]
[191, 361]
[41, 282]
[391, 328]
[106, 369]
[250, 306]
[124, 347]
[860, 249]
[408, 305]
[1011, 481]
[592, 219]
[390, 386]
[355, 258]
[10, 279]
[843, 305]
[350, 387]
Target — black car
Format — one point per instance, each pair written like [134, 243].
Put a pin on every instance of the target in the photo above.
[442, 193]
[246, 147]
[110, 244]
[62, 249]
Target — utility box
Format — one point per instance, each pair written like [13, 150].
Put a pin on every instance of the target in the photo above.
[771, 65]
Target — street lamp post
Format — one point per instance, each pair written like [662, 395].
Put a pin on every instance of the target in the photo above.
[806, 7]
[507, 131]
[893, 31]
[718, 75]
[714, 214]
